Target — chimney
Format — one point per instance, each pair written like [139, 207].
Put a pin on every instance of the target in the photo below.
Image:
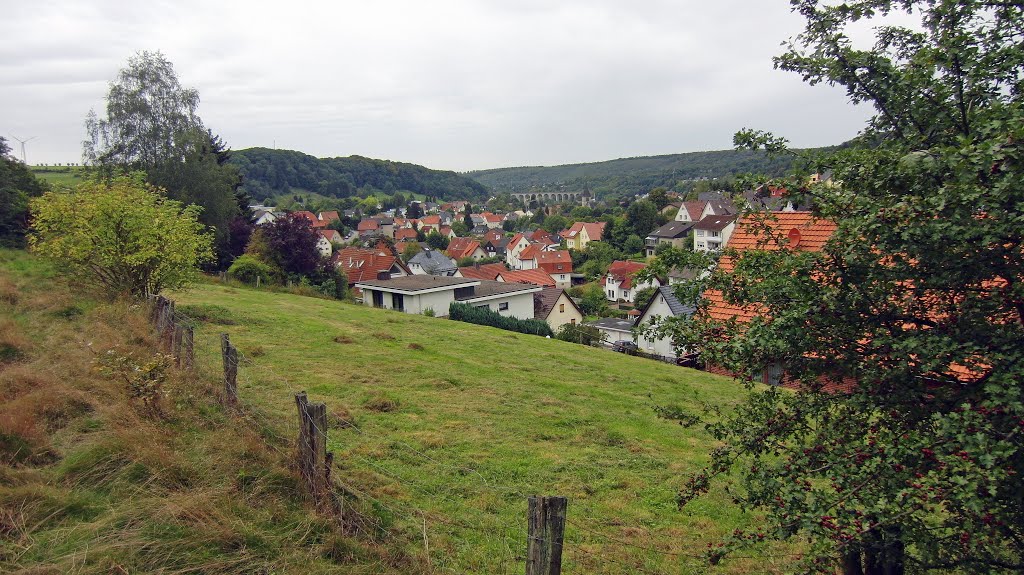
[383, 275]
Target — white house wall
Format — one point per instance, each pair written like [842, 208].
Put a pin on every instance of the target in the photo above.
[661, 346]
[519, 305]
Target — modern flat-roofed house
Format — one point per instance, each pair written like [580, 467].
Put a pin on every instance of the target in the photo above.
[418, 293]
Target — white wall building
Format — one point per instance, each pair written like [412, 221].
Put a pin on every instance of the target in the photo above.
[417, 293]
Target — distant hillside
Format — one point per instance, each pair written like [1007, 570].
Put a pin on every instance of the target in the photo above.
[269, 173]
[628, 176]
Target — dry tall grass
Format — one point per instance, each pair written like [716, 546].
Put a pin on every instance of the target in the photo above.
[90, 482]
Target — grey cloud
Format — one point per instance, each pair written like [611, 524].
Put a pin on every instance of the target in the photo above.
[449, 84]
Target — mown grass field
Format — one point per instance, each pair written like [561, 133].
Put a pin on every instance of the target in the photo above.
[445, 428]
[60, 175]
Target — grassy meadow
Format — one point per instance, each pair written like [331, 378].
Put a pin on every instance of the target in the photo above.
[59, 175]
[445, 427]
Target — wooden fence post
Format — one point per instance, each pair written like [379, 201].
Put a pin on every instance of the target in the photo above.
[168, 334]
[314, 460]
[190, 341]
[546, 529]
[179, 334]
[230, 357]
[159, 315]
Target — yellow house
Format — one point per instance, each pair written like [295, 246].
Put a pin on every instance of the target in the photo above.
[582, 233]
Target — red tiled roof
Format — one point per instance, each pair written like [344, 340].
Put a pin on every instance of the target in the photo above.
[311, 217]
[695, 209]
[462, 247]
[559, 262]
[445, 230]
[367, 225]
[329, 217]
[489, 217]
[362, 264]
[432, 220]
[494, 234]
[535, 277]
[516, 239]
[483, 271]
[623, 272]
[405, 234]
[594, 230]
[810, 234]
[530, 252]
[331, 235]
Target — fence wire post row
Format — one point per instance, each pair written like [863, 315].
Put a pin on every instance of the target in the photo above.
[178, 338]
[546, 515]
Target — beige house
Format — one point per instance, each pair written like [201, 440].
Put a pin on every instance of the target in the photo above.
[582, 233]
[555, 307]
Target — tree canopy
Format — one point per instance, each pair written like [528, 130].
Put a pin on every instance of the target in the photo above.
[122, 236]
[916, 302]
[17, 186]
[151, 125]
[148, 112]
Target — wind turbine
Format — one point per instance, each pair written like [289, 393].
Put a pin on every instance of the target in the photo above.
[23, 146]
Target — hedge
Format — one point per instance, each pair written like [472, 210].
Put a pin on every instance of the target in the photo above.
[483, 316]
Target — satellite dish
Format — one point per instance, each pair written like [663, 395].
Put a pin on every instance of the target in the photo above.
[794, 237]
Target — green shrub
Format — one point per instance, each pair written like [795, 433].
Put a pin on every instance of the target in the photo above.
[581, 334]
[247, 268]
[483, 316]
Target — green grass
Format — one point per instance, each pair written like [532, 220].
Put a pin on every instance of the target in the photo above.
[451, 425]
[60, 175]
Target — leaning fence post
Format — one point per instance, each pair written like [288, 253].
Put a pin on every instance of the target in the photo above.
[230, 356]
[546, 529]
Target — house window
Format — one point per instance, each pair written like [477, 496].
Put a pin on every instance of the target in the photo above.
[378, 298]
[611, 294]
[484, 306]
[625, 294]
[700, 233]
[503, 306]
[701, 245]
[715, 234]
[397, 302]
[561, 308]
[572, 321]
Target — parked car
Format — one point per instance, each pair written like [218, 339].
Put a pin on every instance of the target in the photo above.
[624, 346]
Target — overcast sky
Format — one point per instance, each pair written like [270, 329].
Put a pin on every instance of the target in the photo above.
[448, 84]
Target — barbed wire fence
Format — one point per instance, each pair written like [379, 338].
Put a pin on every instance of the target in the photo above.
[546, 539]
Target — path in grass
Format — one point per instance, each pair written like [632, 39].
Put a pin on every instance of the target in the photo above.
[453, 424]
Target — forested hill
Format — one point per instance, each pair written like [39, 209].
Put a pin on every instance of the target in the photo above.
[269, 172]
[628, 176]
